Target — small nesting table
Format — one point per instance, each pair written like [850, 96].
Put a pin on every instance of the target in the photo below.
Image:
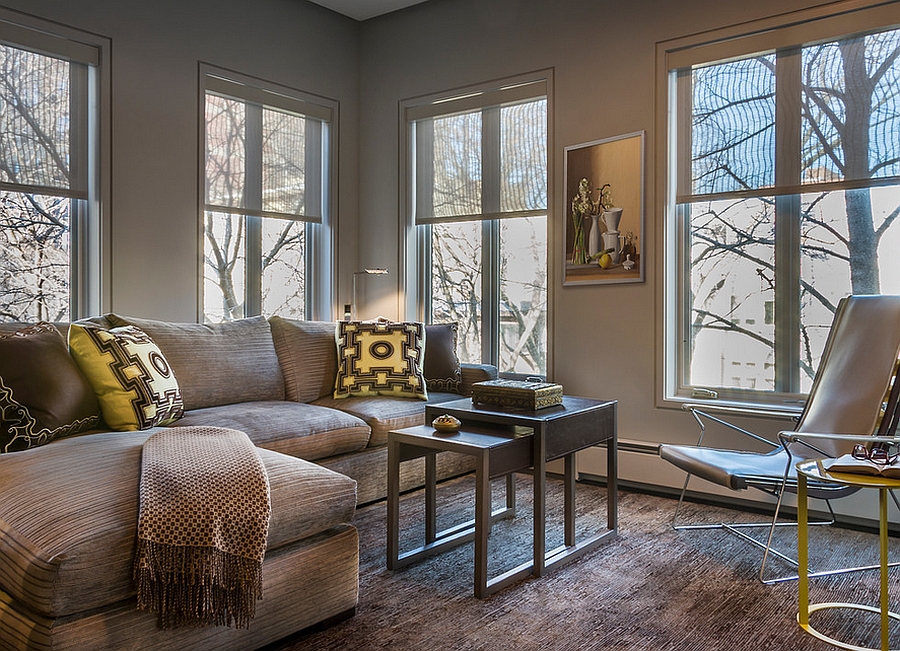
[814, 471]
[497, 454]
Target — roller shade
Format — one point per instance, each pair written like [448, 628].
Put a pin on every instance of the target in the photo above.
[43, 112]
[482, 155]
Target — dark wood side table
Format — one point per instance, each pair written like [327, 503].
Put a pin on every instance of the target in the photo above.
[558, 432]
[497, 453]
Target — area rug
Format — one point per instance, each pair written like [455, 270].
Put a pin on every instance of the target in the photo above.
[650, 588]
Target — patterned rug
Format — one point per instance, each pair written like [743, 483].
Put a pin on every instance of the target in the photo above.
[650, 588]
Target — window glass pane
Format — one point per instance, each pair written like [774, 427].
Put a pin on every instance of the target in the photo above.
[456, 283]
[457, 165]
[223, 294]
[851, 108]
[34, 119]
[733, 126]
[523, 156]
[284, 273]
[225, 151]
[284, 162]
[34, 267]
[523, 295]
[731, 280]
[849, 242]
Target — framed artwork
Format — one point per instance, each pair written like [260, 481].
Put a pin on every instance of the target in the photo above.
[605, 211]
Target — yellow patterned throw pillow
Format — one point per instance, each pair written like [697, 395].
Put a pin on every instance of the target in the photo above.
[380, 358]
[133, 382]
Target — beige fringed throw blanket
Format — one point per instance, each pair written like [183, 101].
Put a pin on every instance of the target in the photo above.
[204, 517]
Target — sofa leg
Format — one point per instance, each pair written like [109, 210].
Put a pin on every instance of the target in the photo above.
[328, 623]
[291, 640]
[331, 621]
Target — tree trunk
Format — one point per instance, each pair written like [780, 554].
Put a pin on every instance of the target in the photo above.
[863, 243]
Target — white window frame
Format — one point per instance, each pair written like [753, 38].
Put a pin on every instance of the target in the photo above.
[415, 254]
[819, 24]
[320, 224]
[89, 283]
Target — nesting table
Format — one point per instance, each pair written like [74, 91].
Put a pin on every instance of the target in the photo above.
[505, 441]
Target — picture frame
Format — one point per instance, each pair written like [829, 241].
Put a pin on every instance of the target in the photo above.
[604, 225]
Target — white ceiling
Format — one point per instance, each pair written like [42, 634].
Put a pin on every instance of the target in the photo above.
[364, 9]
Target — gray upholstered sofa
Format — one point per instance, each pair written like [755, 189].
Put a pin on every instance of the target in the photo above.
[68, 509]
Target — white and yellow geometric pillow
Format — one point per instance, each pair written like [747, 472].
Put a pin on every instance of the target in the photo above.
[380, 358]
[133, 382]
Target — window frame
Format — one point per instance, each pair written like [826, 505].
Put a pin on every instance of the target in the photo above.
[89, 231]
[415, 249]
[319, 251]
[783, 33]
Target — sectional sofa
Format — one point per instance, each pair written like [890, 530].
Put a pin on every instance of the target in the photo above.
[68, 506]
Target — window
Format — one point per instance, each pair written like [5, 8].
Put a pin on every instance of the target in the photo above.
[478, 196]
[49, 176]
[265, 217]
[784, 193]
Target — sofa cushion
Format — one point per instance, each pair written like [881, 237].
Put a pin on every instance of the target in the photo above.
[217, 364]
[295, 428]
[308, 357]
[382, 413]
[380, 358]
[43, 394]
[131, 378]
[441, 367]
[68, 517]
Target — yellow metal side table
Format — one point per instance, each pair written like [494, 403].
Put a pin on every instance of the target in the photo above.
[813, 471]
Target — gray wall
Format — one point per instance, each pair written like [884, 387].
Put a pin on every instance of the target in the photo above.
[604, 340]
[604, 337]
[155, 50]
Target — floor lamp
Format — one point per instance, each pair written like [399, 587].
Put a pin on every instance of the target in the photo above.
[371, 272]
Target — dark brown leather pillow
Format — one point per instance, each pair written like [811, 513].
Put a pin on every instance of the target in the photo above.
[441, 368]
[43, 395]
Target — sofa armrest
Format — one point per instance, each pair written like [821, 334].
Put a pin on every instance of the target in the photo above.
[472, 373]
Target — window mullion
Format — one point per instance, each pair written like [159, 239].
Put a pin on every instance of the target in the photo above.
[490, 203]
[685, 334]
[80, 295]
[682, 138]
[788, 102]
[253, 199]
[425, 255]
[313, 183]
[422, 203]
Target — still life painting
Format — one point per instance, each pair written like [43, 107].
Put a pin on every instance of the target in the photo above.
[604, 211]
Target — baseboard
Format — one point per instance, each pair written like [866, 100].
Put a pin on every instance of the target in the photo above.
[843, 520]
[640, 460]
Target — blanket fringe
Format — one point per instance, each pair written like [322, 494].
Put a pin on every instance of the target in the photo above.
[196, 586]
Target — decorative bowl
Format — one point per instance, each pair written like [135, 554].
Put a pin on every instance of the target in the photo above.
[446, 423]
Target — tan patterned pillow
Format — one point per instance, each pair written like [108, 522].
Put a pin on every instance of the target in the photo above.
[131, 378]
[380, 358]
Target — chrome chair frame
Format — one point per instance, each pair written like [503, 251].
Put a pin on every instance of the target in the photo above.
[776, 489]
[795, 446]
